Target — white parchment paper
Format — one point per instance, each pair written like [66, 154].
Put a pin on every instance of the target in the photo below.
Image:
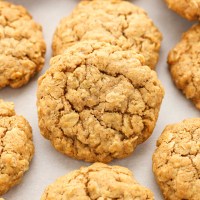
[48, 164]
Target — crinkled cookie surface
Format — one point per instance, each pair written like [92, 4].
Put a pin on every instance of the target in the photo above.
[16, 147]
[117, 22]
[176, 161]
[98, 102]
[184, 63]
[98, 181]
[22, 47]
[190, 9]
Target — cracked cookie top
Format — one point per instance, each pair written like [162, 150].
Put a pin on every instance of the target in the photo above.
[97, 101]
[190, 9]
[22, 47]
[117, 22]
[16, 146]
[98, 181]
[176, 161]
[184, 63]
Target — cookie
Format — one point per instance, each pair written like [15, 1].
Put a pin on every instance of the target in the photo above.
[190, 9]
[97, 102]
[184, 62]
[117, 22]
[16, 146]
[176, 161]
[98, 181]
[22, 47]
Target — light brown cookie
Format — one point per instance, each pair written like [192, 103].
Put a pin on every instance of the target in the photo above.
[16, 146]
[190, 9]
[98, 102]
[117, 22]
[98, 181]
[22, 47]
[176, 161]
[184, 64]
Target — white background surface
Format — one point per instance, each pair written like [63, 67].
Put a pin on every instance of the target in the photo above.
[48, 164]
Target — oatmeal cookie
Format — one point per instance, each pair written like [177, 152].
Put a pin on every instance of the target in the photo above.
[22, 47]
[16, 146]
[97, 102]
[176, 161]
[184, 62]
[117, 22]
[190, 9]
[98, 181]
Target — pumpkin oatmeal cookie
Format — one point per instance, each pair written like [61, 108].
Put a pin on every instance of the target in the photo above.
[117, 22]
[16, 146]
[176, 161]
[22, 47]
[98, 181]
[97, 102]
[184, 62]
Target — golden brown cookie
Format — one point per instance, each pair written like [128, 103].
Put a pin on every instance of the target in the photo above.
[117, 22]
[16, 146]
[97, 102]
[184, 63]
[176, 161]
[190, 9]
[22, 47]
[98, 181]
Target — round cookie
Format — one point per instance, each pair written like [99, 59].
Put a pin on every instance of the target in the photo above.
[22, 47]
[98, 102]
[117, 22]
[98, 181]
[190, 9]
[184, 62]
[176, 161]
[16, 147]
